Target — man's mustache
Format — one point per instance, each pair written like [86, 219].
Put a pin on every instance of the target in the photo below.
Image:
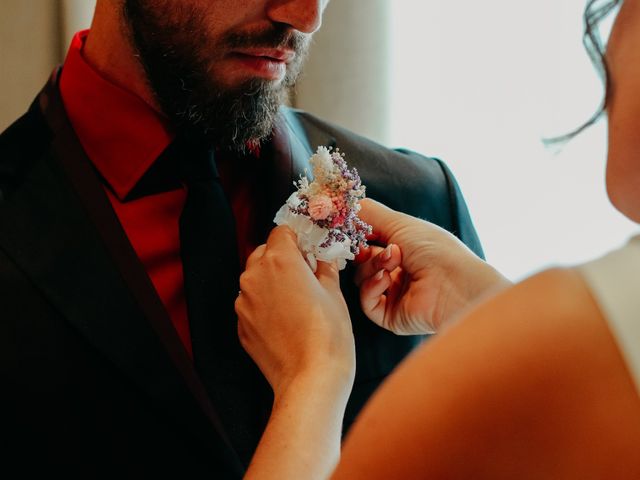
[276, 37]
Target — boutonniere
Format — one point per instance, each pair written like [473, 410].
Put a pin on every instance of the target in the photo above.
[324, 212]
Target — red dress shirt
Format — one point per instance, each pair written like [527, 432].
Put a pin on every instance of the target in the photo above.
[123, 136]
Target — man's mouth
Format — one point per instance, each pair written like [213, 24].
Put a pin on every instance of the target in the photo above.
[268, 63]
[277, 54]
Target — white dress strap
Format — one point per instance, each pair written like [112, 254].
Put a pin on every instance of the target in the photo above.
[614, 281]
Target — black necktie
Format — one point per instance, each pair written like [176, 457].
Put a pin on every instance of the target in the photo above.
[209, 255]
[211, 278]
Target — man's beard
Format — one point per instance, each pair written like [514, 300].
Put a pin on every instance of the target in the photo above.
[180, 62]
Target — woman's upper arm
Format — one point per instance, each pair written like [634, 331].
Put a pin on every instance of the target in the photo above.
[528, 385]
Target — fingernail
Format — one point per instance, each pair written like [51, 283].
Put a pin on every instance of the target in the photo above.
[379, 275]
[386, 255]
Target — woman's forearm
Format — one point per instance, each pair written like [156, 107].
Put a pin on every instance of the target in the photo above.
[302, 438]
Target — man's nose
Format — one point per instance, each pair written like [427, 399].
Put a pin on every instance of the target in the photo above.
[302, 15]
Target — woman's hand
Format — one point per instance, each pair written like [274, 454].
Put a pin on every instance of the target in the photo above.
[296, 326]
[292, 322]
[423, 278]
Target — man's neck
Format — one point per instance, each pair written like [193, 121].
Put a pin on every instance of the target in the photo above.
[108, 49]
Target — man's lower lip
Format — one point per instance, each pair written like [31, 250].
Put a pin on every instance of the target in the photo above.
[265, 67]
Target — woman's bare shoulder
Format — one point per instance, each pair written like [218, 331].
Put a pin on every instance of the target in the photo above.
[530, 384]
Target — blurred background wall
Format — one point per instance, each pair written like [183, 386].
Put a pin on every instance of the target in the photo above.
[29, 47]
[34, 35]
[347, 78]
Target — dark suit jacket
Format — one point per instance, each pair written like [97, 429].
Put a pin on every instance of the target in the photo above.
[95, 380]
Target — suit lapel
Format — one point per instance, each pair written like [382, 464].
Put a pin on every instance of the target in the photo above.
[65, 236]
[293, 143]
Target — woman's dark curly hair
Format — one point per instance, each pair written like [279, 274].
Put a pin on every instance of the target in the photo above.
[594, 13]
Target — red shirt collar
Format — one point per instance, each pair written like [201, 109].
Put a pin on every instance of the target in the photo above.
[121, 133]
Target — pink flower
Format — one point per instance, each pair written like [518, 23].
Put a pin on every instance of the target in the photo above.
[320, 207]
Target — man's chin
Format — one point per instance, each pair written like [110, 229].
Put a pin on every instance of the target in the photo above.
[229, 112]
[236, 128]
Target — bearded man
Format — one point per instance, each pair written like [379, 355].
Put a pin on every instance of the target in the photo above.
[131, 194]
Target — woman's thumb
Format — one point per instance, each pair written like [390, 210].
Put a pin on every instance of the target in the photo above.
[380, 217]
